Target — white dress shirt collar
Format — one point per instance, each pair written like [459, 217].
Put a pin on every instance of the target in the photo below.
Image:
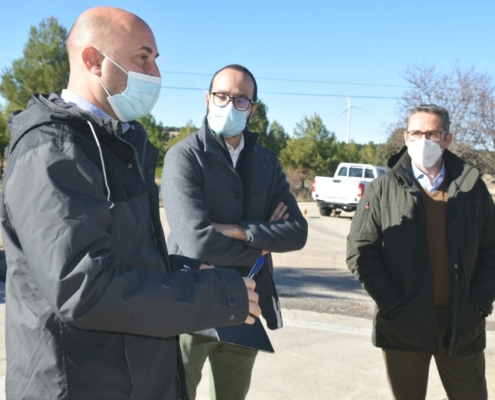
[235, 153]
[82, 103]
[425, 181]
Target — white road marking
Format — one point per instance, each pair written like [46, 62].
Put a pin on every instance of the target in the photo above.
[323, 326]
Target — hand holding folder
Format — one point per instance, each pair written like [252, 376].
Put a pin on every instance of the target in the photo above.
[253, 336]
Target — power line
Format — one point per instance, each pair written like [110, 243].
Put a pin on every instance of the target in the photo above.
[295, 80]
[299, 94]
[282, 79]
[334, 95]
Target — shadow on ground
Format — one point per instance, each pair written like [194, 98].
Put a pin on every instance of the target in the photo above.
[3, 266]
[328, 290]
[3, 273]
[316, 282]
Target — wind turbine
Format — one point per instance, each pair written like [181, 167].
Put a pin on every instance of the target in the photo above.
[348, 109]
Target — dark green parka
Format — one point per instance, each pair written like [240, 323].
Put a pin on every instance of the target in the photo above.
[387, 250]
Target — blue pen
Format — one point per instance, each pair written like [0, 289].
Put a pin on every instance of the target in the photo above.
[256, 267]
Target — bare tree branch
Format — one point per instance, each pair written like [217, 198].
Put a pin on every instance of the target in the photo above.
[469, 96]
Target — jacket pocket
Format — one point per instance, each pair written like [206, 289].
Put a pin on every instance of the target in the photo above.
[393, 313]
[470, 327]
[407, 327]
[152, 366]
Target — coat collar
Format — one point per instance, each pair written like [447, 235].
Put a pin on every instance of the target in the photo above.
[462, 175]
[215, 144]
[49, 109]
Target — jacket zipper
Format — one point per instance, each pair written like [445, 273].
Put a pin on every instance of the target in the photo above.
[417, 194]
[157, 237]
[136, 157]
[131, 395]
[143, 155]
[454, 303]
[180, 386]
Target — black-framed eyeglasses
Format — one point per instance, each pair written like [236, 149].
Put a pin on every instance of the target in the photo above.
[434, 136]
[240, 103]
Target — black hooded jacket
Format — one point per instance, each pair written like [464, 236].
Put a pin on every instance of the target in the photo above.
[93, 304]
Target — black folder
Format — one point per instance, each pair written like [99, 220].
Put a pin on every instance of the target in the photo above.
[251, 336]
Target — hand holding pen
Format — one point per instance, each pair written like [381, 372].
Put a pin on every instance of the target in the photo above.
[254, 309]
[256, 267]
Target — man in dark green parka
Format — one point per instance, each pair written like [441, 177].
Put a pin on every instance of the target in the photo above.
[422, 243]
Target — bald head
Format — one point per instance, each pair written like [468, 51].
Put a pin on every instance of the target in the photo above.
[103, 28]
[104, 44]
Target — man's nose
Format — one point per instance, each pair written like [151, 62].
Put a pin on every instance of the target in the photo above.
[153, 70]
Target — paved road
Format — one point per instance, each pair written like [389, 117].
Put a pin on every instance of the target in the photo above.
[317, 279]
[324, 352]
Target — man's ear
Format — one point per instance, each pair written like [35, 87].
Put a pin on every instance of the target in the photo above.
[207, 99]
[92, 60]
[253, 110]
[405, 137]
[448, 139]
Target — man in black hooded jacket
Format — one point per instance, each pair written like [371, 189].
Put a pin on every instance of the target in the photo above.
[94, 302]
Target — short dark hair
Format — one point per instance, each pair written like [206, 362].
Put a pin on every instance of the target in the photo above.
[240, 68]
[432, 109]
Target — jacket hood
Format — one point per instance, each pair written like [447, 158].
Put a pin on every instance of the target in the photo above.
[396, 157]
[462, 174]
[43, 109]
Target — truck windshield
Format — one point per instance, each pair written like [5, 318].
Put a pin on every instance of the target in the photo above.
[356, 172]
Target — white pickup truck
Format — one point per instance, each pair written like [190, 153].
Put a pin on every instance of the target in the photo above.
[346, 188]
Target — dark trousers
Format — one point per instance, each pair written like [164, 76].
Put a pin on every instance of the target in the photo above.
[463, 377]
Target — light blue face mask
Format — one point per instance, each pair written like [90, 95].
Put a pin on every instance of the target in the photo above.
[227, 121]
[139, 97]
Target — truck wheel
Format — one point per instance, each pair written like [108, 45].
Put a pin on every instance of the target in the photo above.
[325, 211]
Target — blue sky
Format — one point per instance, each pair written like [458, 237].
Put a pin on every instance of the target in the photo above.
[286, 44]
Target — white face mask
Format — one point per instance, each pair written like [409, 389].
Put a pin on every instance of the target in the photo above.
[227, 121]
[139, 97]
[424, 152]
